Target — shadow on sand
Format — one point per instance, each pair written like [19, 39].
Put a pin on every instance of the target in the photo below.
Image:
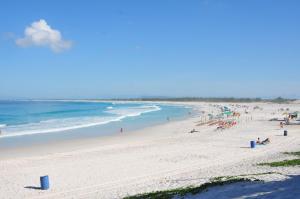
[32, 187]
[245, 147]
[285, 189]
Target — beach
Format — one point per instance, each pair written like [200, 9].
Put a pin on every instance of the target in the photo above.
[159, 157]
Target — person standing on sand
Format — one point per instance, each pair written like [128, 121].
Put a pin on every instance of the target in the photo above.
[121, 130]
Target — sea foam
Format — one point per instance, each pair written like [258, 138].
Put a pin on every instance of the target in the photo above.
[63, 124]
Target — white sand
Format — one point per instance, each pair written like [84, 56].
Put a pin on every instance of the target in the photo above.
[155, 158]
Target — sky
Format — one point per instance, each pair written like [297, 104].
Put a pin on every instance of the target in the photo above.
[138, 48]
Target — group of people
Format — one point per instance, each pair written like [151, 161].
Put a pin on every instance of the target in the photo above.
[226, 124]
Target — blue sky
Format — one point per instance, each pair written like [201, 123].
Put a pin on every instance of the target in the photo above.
[218, 48]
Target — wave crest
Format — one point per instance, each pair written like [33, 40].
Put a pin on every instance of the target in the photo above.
[56, 125]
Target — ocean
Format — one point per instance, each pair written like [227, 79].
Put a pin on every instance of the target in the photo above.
[27, 122]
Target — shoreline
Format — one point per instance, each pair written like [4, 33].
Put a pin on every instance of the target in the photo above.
[68, 145]
[79, 143]
[93, 131]
[154, 158]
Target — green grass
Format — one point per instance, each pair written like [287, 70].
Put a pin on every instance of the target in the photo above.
[284, 163]
[243, 175]
[169, 194]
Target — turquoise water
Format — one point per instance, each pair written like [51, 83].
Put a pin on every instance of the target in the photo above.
[24, 122]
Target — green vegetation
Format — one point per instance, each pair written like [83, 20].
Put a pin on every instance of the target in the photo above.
[206, 99]
[244, 175]
[181, 192]
[284, 163]
[217, 181]
[280, 100]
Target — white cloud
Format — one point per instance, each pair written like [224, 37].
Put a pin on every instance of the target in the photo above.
[41, 34]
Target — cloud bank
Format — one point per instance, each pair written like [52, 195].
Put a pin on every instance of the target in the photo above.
[41, 34]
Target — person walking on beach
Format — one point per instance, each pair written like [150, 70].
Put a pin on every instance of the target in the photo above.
[121, 130]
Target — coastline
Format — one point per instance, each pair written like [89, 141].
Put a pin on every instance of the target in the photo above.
[153, 158]
[77, 144]
[92, 128]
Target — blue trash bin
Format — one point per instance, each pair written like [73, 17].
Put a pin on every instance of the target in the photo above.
[44, 182]
[252, 144]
